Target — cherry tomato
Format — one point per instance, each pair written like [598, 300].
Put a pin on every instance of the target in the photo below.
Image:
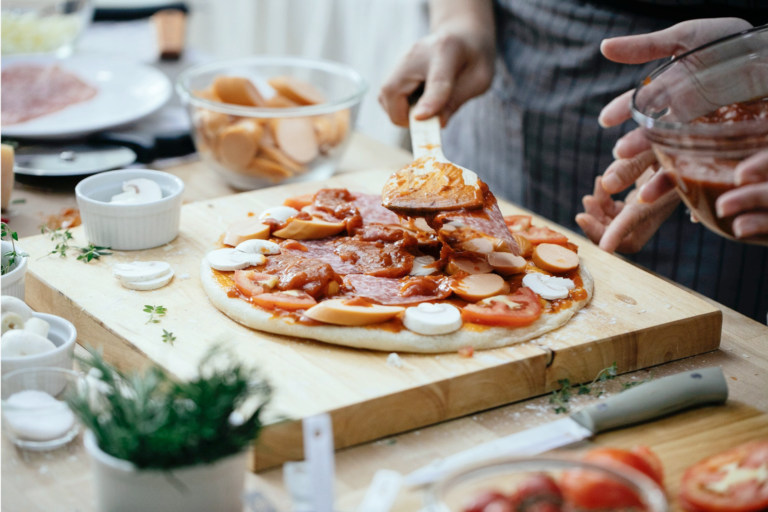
[543, 235]
[500, 314]
[301, 201]
[250, 283]
[539, 493]
[283, 300]
[594, 490]
[489, 501]
[747, 492]
[517, 223]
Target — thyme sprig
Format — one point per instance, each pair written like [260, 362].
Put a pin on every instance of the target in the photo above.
[93, 252]
[154, 310]
[157, 422]
[168, 337]
[561, 397]
[60, 235]
[10, 258]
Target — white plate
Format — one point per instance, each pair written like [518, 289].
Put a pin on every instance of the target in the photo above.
[127, 92]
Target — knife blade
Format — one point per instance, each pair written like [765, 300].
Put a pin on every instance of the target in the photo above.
[650, 401]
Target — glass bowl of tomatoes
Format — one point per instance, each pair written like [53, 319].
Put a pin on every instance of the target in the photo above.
[546, 484]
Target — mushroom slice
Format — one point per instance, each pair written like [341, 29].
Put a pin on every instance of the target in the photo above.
[279, 213]
[138, 271]
[21, 343]
[422, 266]
[37, 326]
[231, 259]
[259, 247]
[548, 287]
[153, 284]
[8, 303]
[138, 191]
[432, 319]
[12, 320]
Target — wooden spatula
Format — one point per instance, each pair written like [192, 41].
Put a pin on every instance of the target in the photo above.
[431, 183]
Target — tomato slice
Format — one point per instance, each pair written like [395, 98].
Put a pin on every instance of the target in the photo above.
[290, 301]
[500, 314]
[543, 235]
[301, 201]
[517, 223]
[251, 283]
[748, 490]
[538, 493]
[593, 490]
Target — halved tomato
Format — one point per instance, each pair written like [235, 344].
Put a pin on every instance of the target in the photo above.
[291, 300]
[250, 282]
[517, 223]
[489, 501]
[594, 490]
[743, 472]
[538, 493]
[543, 235]
[300, 202]
[499, 313]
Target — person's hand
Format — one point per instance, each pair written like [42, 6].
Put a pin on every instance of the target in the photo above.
[455, 62]
[749, 202]
[624, 226]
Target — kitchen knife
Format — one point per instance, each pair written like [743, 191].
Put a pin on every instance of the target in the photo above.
[643, 403]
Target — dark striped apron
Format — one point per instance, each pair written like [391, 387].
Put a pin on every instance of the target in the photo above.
[535, 140]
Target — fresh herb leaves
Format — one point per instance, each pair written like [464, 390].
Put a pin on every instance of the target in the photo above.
[168, 337]
[93, 252]
[62, 237]
[158, 422]
[562, 396]
[11, 257]
[154, 310]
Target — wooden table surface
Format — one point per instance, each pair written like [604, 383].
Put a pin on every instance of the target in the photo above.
[61, 480]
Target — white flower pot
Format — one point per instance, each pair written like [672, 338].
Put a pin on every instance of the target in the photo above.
[12, 283]
[120, 486]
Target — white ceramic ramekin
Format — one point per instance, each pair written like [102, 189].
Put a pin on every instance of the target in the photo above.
[129, 227]
[62, 333]
[12, 283]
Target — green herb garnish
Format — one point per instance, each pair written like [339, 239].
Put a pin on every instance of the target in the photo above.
[93, 252]
[60, 235]
[154, 310]
[11, 257]
[156, 422]
[168, 337]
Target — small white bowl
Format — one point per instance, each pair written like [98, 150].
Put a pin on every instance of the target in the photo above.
[129, 227]
[62, 333]
[12, 283]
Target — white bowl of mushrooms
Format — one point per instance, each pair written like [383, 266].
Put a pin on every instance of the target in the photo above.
[31, 339]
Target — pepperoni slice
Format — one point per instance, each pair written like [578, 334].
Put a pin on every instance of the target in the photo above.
[396, 291]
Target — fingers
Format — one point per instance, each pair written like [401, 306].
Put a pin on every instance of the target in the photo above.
[636, 224]
[444, 65]
[623, 173]
[617, 111]
[406, 78]
[606, 202]
[673, 41]
[751, 224]
[743, 199]
[592, 227]
[632, 144]
[753, 170]
[661, 183]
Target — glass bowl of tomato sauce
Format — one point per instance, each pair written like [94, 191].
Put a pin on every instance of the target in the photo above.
[704, 112]
[545, 483]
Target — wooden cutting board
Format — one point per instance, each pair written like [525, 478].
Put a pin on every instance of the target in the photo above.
[634, 319]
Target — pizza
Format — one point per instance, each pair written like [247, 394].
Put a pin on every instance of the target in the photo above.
[337, 267]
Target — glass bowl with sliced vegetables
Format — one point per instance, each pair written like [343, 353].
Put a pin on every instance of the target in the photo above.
[260, 121]
[549, 483]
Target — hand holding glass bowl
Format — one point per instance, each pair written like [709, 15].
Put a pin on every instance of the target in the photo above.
[261, 121]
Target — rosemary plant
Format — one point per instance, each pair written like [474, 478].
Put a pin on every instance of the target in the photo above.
[156, 422]
[11, 257]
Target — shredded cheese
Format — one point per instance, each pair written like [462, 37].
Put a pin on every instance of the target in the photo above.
[736, 475]
[500, 298]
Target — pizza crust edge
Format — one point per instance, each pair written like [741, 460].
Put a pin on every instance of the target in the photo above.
[373, 338]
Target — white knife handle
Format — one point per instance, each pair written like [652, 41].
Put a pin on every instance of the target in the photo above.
[425, 134]
[655, 399]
